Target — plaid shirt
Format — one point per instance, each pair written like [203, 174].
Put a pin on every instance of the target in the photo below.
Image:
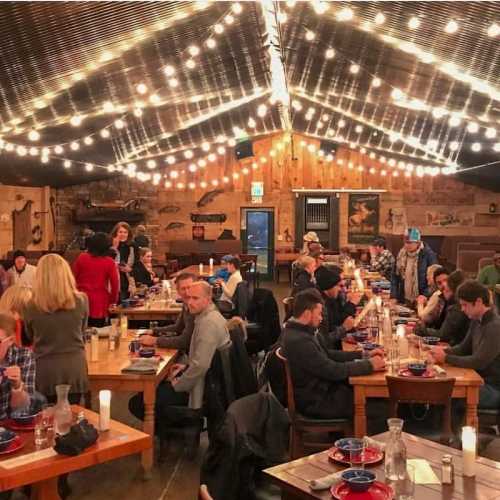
[22, 357]
[384, 263]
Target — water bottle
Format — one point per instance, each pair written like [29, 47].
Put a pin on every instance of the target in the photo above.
[395, 452]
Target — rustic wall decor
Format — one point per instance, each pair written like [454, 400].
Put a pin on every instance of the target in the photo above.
[209, 197]
[450, 218]
[210, 218]
[22, 226]
[363, 217]
[175, 225]
[169, 209]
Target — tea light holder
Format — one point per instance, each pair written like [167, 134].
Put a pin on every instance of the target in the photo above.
[400, 331]
[104, 410]
[469, 443]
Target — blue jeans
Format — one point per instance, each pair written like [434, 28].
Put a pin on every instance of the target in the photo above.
[489, 397]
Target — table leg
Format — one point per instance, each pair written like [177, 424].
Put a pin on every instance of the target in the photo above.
[471, 411]
[149, 426]
[359, 411]
[45, 490]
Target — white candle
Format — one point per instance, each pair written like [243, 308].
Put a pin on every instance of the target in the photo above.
[469, 451]
[94, 347]
[387, 312]
[201, 268]
[378, 303]
[104, 410]
[400, 331]
[211, 263]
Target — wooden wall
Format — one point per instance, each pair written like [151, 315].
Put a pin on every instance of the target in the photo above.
[281, 174]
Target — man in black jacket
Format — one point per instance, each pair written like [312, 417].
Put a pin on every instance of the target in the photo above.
[320, 376]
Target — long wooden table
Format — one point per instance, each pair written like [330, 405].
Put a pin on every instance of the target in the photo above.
[207, 270]
[107, 374]
[155, 311]
[293, 477]
[41, 467]
[467, 384]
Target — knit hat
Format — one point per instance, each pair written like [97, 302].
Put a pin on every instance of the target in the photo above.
[18, 253]
[412, 235]
[227, 258]
[311, 236]
[327, 279]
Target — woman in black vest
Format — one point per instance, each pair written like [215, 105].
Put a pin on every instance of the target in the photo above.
[124, 255]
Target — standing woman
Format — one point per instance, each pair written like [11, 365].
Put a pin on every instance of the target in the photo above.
[97, 276]
[124, 250]
[55, 319]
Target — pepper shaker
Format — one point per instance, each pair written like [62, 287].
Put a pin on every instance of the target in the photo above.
[447, 469]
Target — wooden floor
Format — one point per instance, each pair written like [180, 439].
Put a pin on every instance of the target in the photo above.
[178, 478]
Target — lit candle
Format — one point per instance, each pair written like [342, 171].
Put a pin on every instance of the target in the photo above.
[201, 268]
[387, 312]
[104, 410]
[469, 451]
[378, 303]
[211, 263]
[123, 325]
[400, 331]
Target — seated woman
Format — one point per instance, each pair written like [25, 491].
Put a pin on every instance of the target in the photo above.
[142, 272]
[225, 303]
[304, 276]
[13, 302]
[17, 364]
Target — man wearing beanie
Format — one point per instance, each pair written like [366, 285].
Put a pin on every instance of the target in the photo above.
[489, 276]
[21, 273]
[321, 376]
[331, 331]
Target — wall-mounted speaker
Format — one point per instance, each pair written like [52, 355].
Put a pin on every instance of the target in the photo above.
[243, 149]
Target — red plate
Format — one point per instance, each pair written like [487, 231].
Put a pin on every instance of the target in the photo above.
[370, 456]
[407, 373]
[377, 491]
[14, 426]
[16, 444]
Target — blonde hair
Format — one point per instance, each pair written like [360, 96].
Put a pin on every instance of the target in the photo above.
[430, 272]
[305, 261]
[15, 299]
[54, 288]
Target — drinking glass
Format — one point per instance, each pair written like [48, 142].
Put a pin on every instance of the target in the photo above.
[44, 426]
[405, 488]
[356, 457]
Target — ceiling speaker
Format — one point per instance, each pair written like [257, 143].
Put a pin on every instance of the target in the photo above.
[243, 150]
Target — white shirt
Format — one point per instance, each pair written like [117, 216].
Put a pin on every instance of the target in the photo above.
[26, 278]
[229, 288]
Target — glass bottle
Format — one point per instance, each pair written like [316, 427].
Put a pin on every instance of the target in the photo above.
[63, 417]
[447, 469]
[395, 452]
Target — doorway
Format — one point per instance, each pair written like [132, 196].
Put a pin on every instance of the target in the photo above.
[257, 236]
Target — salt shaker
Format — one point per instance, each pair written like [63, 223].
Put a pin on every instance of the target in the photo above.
[447, 469]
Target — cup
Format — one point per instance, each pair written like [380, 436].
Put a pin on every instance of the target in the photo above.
[134, 346]
[44, 426]
[357, 456]
[405, 488]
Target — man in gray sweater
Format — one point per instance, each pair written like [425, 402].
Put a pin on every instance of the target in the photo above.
[480, 349]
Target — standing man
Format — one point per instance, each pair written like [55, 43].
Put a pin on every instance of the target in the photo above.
[178, 335]
[409, 279]
[21, 273]
[489, 276]
[480, 350]
[381, 259]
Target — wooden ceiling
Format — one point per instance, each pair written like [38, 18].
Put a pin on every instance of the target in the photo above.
[65, 59]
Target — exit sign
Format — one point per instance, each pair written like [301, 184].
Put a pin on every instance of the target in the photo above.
[257, 189]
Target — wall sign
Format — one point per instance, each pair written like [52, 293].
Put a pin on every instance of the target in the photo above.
[203, 218]
[257, 192]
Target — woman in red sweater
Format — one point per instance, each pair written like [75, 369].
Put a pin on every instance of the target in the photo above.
[96, 275]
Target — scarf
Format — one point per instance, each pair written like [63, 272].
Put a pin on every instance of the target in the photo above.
[404, 259]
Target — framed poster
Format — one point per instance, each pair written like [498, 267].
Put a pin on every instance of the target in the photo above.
[363, 218]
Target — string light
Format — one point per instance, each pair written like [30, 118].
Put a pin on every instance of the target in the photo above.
[76, 120]
[329, 53]
[472, 127]
[476, 147]
[310, 35]
[451, 27]
[494, 30]
[379, 19]
[88, 140]
[414, 23]
[67, 164]
[490, 133]
[345, 14]
[89, 167]
[105, 133]
[141, 88]
[237, 8]
[376, 82]
[119, 124]
[169, 70]
[354, 69]
[33, 135]
[211, 43]
[219, 28]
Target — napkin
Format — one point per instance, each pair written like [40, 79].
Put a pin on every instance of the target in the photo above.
[423, 471]
[326, 482]
[439, 370]
[142, 365]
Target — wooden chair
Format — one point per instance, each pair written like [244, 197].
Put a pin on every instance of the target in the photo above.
[424, 391]
[288, 305]
[204, 494]
[301, 425]
[489, 419]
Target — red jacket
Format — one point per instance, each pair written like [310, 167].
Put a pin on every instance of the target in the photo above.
[98, 278]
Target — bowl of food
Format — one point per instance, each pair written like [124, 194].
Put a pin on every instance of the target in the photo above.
[147, 352]
[431, 340]
[6, 437]
[360, 336]
[349, 447]
[359, 480]
[370, 346]
[23, 417]
[417, 369]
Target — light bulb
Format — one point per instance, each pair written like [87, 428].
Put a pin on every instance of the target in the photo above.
[151, 164]
[119, 124]
[341, 124]
[168, 184]
[170, 159]
[251, 122]
[188, 154]
[21, 151]
[472, 127]
[379, 18]
[237, 8]
[262, 110]
[414, 23]
[202, 163]
[205, 146]
[476, 146]
[330, 53]
[190, 63]
[203, 184]
[88, 141]
[44, 159]
[193, 51]
[111, 168]
[310, 36]
[451, 27]
[376, 82]
[358, 129]
[108, 107]
[33, 151]
[490, 133]
[438, 112]
[397, 94]
[77, 77]
[174, 174]
[426, 57]
[173, 82]
[67, 164]
[154, 99]
[141, 88]
[219, 28]
[191, 185]
[169, 70]
[33, 135]
[89, 167]
[212, 157]
[354, 69]
[454, 121]
[453, 146]
[282, 17]
[496, 147]
[325, 117]
[192, 168]
[138, 112]
[345, 14]
[229, 19]
[76, 120]
[221, 150]
[105, 133]
[74, 146]
[494, 30]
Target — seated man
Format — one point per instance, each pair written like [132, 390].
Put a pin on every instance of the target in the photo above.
[489, 276]
[186, 381]
[431, 310]
[178, 335]
[21, 273]
[304, 275]
[222, 272]
[381, 259]
[480, 350]
[331, 331]
[456, 323]
[17, 370]
[320, 376]
[225, 303]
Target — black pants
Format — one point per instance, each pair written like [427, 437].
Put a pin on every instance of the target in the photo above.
[166, 398]
[97, 322]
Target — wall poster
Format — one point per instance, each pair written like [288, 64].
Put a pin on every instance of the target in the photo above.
[363, 218]
[449, 218]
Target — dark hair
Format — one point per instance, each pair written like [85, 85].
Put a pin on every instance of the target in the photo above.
[186, 276]
[18, 253]
[455, 279]
[125, 225]
[379, 242]
[235, 261]
[98, 244]
[438, 272]
[306, 300]
[471, 290]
